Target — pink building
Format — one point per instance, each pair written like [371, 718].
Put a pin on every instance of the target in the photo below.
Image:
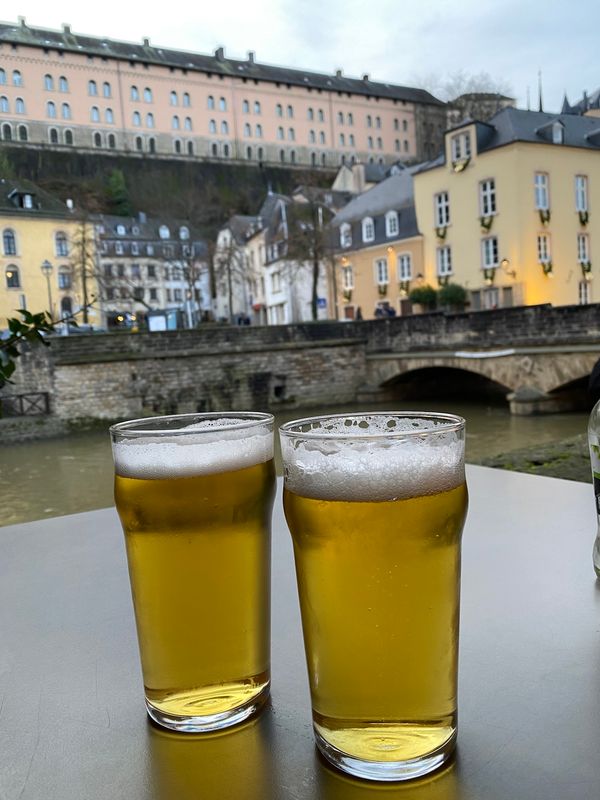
[64, 90]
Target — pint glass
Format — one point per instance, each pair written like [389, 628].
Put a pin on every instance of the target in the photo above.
[376, 504]
[194, 494]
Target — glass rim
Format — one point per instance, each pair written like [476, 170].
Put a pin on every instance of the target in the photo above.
[451, 423]
[143, 426]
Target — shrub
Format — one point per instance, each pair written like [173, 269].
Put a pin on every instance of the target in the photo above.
[453, 294]
[424, 296]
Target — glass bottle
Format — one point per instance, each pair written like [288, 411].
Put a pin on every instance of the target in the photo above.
[594, 442]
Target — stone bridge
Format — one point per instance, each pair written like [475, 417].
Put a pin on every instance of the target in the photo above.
[539, 357]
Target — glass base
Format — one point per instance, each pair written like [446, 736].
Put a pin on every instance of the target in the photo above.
[386, 770]
[209, 722]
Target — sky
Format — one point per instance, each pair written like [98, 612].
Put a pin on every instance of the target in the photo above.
[408, 42]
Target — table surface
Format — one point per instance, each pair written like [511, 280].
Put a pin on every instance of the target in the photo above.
[72, 718]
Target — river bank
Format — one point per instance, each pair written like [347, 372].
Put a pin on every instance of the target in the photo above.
[567, 458]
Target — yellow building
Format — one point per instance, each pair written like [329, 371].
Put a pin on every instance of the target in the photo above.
[511, 210]
[379, 251]
[40, 254]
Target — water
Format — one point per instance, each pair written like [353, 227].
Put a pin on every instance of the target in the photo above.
[63, 476]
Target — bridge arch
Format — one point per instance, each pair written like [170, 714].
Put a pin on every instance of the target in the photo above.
[441, 381]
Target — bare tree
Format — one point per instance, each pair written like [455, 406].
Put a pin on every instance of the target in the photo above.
[229, 269]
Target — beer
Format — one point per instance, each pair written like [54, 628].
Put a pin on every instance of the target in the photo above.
[196, 515]
[376, 527]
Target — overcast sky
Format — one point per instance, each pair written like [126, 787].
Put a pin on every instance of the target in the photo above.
[410, 42]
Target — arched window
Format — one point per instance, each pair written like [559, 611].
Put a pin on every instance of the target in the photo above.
[322, 137]
[66, 306]
[323, 159]
[258, 132]
[65, 111]
[106, 90]
[7, 132]
[68, 137]
[245, 107]
[340, 118]
[137, 120]
[50, 110]
[149, 120]
[351, 140]
[280, 133]
[108, 116]
[222, 104]
[152, 145]
[350, 119]
[247, 130]
[97, 139]
[139, 144]
[4, 106]
[9, 242]
[61, 243]
[257, 107]
[53, 134]
[177, 146]
[173, 99]
[147, 95]
[380, 143]
[226, 150]
[210, 102]
[249, 153]
[190, 148]
[370, 143]
[345, 234]
[260, 154]
[311, 114]
[290, 112]
[65, 278]
[313, 159]
[212, 126]
[175, 123]
[48, 83]
[23, 135]
[188, 124]
[134, 93]
[282, 156]
[293, 156]
[368, 229]
[2, 76]
[321, 115]
[291, 134]
[214, 150]
[63, 84]
[369, 121]
[378, 122]
[17, 78]
[92, 88]
[95, 114]
[224, 127]
[186, 100]
[184, 232]
[164, 232]
[112, 142]
[12, 277]
[342, 140]
[279, 110]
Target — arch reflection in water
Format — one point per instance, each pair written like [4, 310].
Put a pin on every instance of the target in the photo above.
[441, 785]
[227, 765]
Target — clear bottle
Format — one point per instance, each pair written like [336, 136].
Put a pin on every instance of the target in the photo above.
[594, 442]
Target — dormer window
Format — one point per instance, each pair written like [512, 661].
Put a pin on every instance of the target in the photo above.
[164, 232]
[121, 230]
[460, 145]
[558, 133]
[184, 233]
[345, 235]
[368, 229]
[391, 223]
[27, 201]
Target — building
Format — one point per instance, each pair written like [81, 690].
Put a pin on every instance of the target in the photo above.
[510, 210]
[40, 254]
[476, 105]
[588, 105]
[145, 264]
[63, 90]
[379, 253]
[238, 266]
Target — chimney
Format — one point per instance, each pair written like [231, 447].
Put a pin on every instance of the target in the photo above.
[66, 28]
[338, 73]
[366, 77]
[220, 54]
[22, 22]
[251, 57]
[146, 41]
[70, 204]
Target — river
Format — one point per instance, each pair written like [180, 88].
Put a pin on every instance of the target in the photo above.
[74, 473]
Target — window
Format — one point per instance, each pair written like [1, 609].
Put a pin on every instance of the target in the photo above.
[368, 229]
[258, 132]
[119, 252]
[405, 125]
[381, 272]
[442, 209]
[92, 88]
[190, 148]
[397, 145]
[310, 114]
[97, 140]
[153, 294]
[585, 292]
[137, 119]
[396, 124]
[186, 100]
[350, 119]
[279, 110]
[222, 104]
[312, 137]
[280, 133]
[489, 252]
[2, 77]
[249, 153]
[4, 106]
[260, 155]
[444, 261]
[487, 197]
[370, 143]
[290, 112]
[256, 107]
[461, 146]
[224, 126]
[151, 271]
[212, 125]
[558, 133]
[173, 99]
[583, 248]
[379, 143]
[23, 137]
[164, 232]
[64, 278]
[542, 199]
[139, 144]
[12, 277]
[50, 110]
[404, 266]
[543, 248]
[10, 242]
[61, 244]
[134, 93]
[177, 146]
[369, 121]
[95, 114]
[121, 230]
[245, 107]
[53, 133]
[106, 90]
[581, 193]
[247, 130]
[291, 134]
[136, 272]
[378, 122]
[214, 150]
[275, 281]
[147, 95]
[293, 156]
[210, 102]
[65, 111]
[340, 118]
[321, 137]
[348, 278]
[149, 120]
[342, 140]
[321, 115]
[19, 105]
[63, 84]
[391, 223]
[48, 83]
[282, 156]
[345, 235]
[109, 116]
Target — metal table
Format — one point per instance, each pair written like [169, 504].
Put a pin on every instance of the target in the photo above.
[72, 719]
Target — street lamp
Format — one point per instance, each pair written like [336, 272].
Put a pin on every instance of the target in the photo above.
[47, 270]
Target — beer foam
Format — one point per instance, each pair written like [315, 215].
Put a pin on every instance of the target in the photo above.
[336, 464]
[218, 447]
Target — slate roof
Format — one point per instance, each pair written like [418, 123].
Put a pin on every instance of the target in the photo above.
[218, 64]
[146, 230]
[587, 102]
[243, 227]
[44, 203]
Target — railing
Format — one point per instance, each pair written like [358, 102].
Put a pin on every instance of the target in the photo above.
[33, 404]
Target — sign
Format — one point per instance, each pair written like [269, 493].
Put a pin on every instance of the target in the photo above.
[321, 302]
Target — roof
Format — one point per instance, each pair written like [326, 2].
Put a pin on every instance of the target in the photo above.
[217, 63]
[44, 203]
[243, 227]
[147, 229]
[587, 102]
[393, 193]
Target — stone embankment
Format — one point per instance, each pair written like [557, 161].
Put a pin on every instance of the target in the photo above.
[567, 459]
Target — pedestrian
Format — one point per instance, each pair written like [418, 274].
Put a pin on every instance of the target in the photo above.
[359, 315]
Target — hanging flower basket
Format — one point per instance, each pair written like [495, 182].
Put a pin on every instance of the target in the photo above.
[547, 268]
[586, 270]
[584, 218]
[347, 295]
[544, 215]
[460, 166]
[404, 287]
[443, 280]
[441, 232]
[486, 222]
[489, 275]
[382, 288]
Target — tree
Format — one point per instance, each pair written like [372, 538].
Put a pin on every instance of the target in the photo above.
[6, 168]
[117, 194]
[229, 268]
[83, 262]
[475, 96]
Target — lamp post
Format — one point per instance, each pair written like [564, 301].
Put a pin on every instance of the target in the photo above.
[47, 270]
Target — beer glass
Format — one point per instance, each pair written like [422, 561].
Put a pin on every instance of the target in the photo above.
[194, 493]
[376, 504]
